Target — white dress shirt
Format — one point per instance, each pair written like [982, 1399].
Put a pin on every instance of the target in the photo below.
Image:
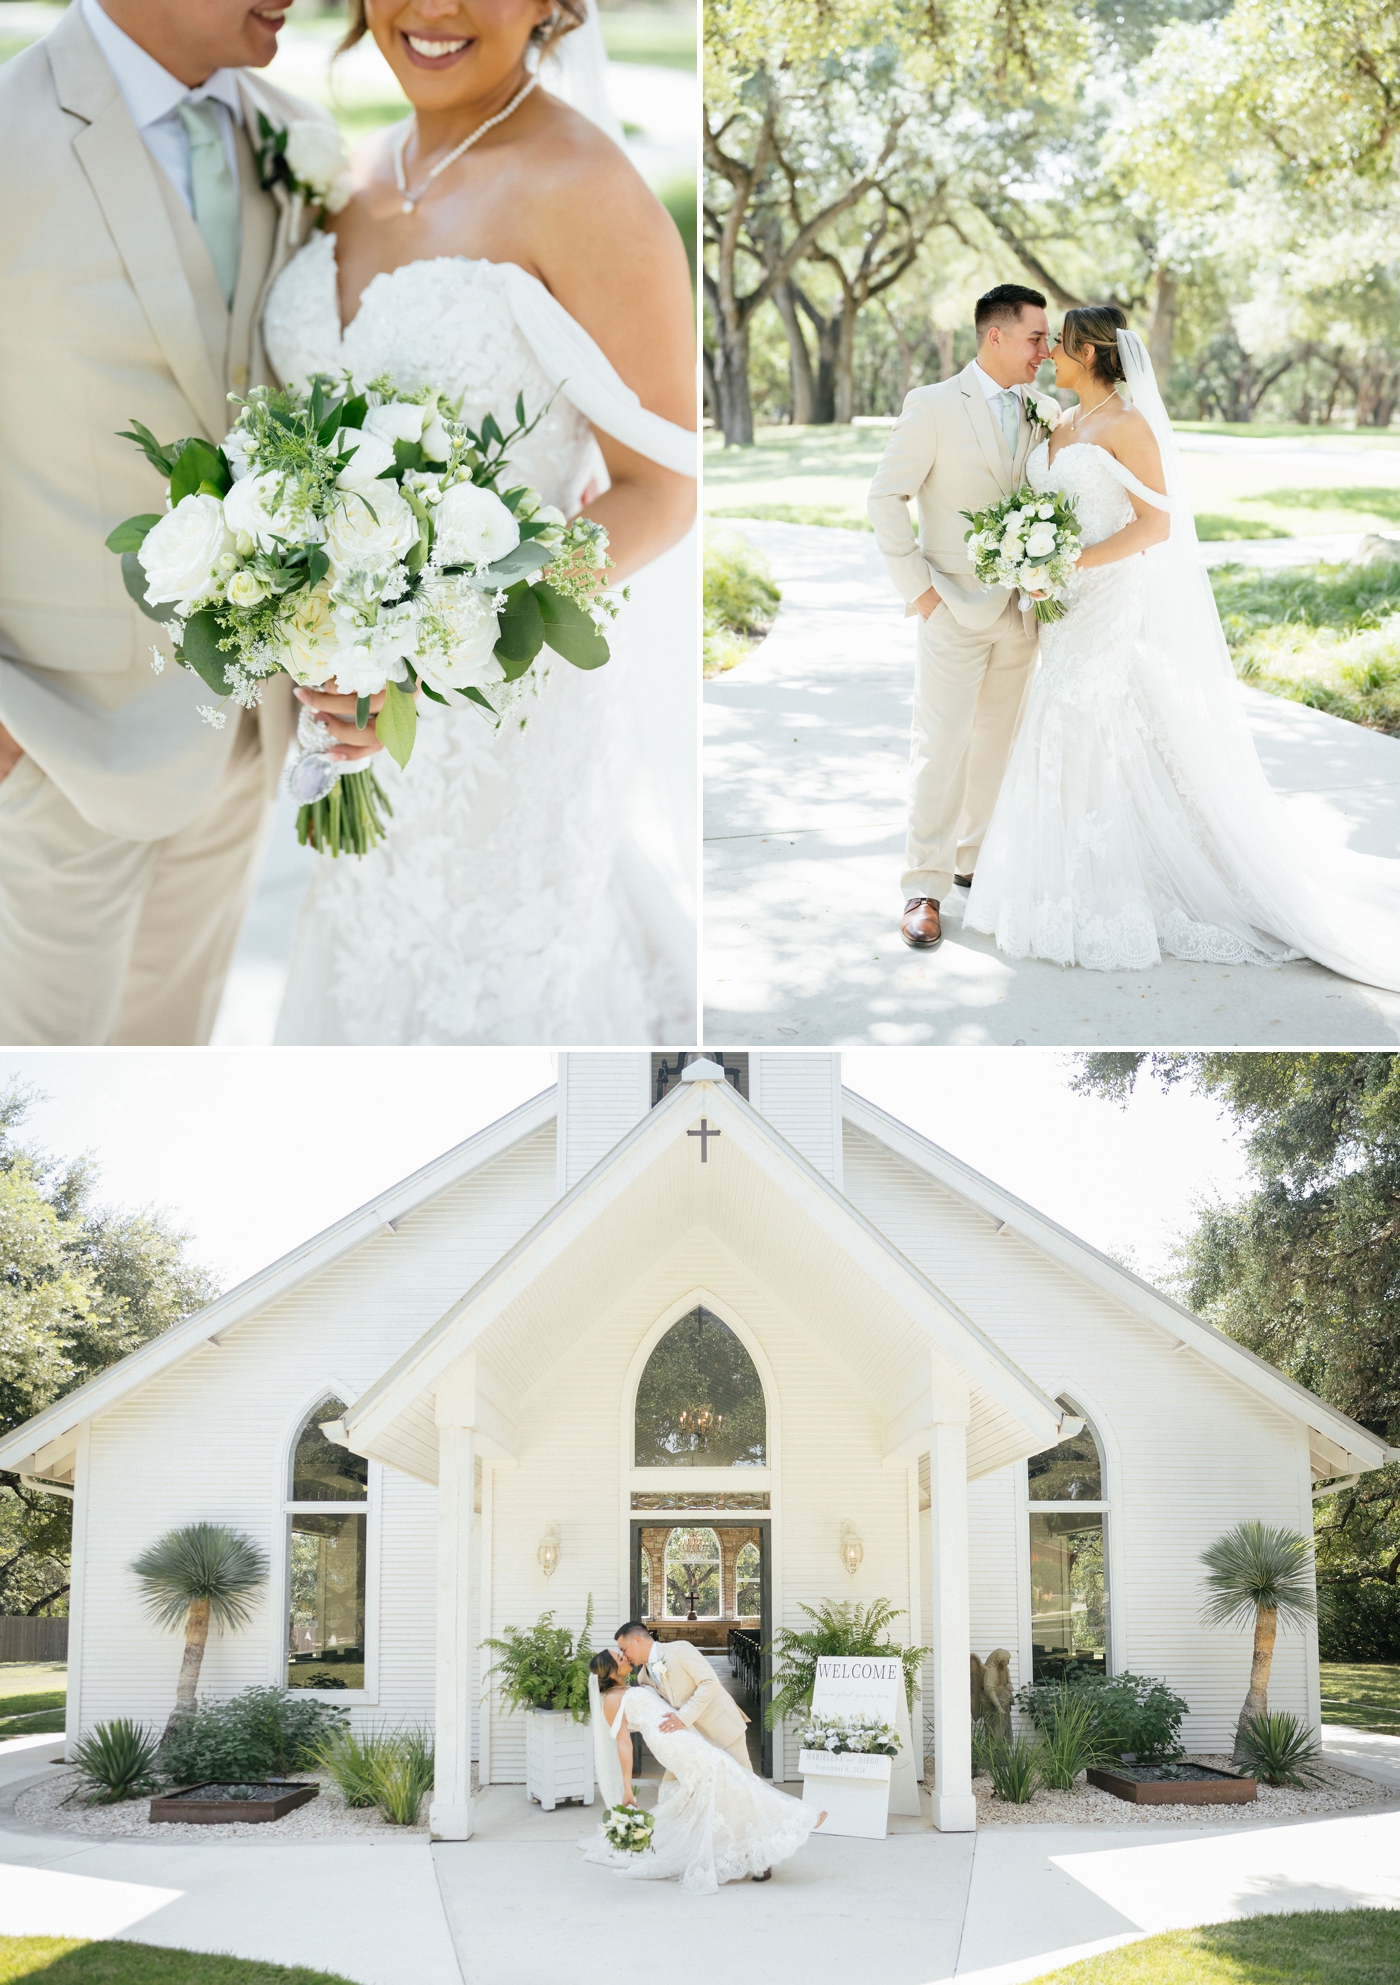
[991, 392]
[151, 94]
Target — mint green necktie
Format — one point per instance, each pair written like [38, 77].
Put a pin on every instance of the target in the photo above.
[1010, 419]
[215, 191]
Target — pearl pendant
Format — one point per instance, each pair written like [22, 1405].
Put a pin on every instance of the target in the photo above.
[409, 205]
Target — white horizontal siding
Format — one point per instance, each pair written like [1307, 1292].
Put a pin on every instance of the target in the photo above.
[799, 1093]
[602, 1094]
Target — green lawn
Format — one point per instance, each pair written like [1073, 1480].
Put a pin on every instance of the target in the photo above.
[1265, 430]
[61, 1961]
[31, 1712]
[1364, 1693]
[1324, 635]
[1315, 1947]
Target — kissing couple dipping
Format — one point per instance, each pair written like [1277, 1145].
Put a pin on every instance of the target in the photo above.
[715, 1821]
[1082, 773]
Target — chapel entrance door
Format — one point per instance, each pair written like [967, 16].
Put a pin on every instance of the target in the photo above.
[707, 1580]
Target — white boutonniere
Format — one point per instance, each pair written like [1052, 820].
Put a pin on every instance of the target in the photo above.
[657, 1665]
[308, 158]
[1042, 411]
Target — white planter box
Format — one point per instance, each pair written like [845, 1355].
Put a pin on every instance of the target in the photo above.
[558, 1758]
[854, 1788]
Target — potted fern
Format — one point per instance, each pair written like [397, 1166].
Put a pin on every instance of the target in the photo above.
[836, 1629]
[543, 1672]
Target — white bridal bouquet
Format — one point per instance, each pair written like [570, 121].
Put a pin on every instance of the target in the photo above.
[1026, 540]
[628, 1829]
[361, 541]
[836, 1734]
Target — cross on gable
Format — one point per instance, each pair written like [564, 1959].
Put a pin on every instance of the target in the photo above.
[704, 1134]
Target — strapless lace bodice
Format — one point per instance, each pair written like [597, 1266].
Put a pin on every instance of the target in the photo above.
[1081, 472]
[499, 908]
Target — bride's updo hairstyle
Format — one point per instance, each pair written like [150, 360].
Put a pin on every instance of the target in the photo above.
[604, 1666]
[567, 15]
[1094, 327]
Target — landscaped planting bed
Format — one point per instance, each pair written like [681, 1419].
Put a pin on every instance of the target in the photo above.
[244, 1804]
[326, 1817]
[1335, 1791]
[1174, 1784]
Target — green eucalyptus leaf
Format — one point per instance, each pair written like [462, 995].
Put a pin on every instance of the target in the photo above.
[522, 631]
[317, 566]
[131, 535]
[475, 696]
[352, 414]
[198, 463]
[437, 696]
[200, 650]
[518, 563]
[397, 723]
[135, 581]
[569, 630]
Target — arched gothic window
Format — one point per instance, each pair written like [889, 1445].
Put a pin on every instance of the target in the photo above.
[327, 1516]
[1069, 1566]
[700, 1400]
[748, 1583]
[692, 1575]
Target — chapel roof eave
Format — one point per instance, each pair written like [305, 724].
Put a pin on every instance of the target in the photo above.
[1340, 1443]
[61, 1420]
[1025, 1418]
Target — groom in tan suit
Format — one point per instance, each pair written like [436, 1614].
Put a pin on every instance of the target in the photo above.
[682, 1676]
[136, 249]
[959, 445]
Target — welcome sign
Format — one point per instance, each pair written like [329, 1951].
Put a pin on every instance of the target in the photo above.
[854, 1789]
[858, 1685]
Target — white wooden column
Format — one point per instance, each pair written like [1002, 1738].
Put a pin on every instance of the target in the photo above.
[450, 1815]
[954, 1807]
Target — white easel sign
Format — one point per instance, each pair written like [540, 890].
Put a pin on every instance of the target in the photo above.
[853, 1786]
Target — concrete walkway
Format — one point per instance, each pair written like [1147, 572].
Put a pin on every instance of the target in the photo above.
[805, 767]
[518, 1902]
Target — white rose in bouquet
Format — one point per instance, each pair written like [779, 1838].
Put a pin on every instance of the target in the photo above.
[1040, 543]
[398, 421]
[312, 639]
[245, 589]
[462, 632]
[472, 526]
[372, 455]
[253, 509]
[315, 156]
[437, 442]
[181, 553]
[369, 534]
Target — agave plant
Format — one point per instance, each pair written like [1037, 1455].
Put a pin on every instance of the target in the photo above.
[1263, 1573]
[1280, 1749]
[843, 1628]
[117, 1761]
[204, 1573]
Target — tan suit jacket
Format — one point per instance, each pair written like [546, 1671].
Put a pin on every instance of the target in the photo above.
[112, 310]
[688, 1682]
[946, 454]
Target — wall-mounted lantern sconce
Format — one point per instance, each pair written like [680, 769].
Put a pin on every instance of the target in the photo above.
[548, 1553]
[852, 1550]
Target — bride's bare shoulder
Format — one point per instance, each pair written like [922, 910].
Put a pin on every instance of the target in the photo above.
[587, 197]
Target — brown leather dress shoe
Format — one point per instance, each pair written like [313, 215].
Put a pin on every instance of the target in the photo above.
[919, 926]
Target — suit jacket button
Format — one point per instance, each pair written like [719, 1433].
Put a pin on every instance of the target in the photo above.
[239, 375]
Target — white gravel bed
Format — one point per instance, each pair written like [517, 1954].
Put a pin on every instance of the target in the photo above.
[1334, 1791]
[326, 1817]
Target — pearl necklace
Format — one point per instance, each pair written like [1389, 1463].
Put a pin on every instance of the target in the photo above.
[410, 200]
[1074, 417]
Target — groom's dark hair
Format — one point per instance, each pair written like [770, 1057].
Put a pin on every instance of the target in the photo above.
[633, 1626]
[1003, 305]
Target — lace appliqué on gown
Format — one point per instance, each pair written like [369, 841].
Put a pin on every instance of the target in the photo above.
[498, 909]
[715, 1822]
[1095, 855]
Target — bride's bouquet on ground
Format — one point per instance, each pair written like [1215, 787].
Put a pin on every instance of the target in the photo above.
[839, 1735]
[628, 1829]
[364, 542]
[1027, 540]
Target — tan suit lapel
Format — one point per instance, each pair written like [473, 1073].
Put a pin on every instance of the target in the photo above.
[987, 429]
[1030, 434]
[125, 181]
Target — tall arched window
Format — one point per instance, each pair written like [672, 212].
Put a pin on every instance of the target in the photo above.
[748, 1583]
[700, 1400]
[327, 1497]
[692, 1575]
[1069, 1567]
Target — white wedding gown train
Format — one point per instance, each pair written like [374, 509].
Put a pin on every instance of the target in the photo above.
[534, 884]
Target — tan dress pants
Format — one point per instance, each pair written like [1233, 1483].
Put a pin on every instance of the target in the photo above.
[968, 690]
[105, 942]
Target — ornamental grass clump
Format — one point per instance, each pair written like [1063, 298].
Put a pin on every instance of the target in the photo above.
[117, 1761]
[836, 1629]
[350, 1759]
[403, 1774]
[544, 1667]
[1014, 1765]
[1278, 1748]
[1069, 1740]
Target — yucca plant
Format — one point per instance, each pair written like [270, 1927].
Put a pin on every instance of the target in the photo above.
[844, 1628]
[1259, 1572]
[1015, 1765]
[117, 1761]
[201, 1574]
[1279, 1748]
[1069, 1740]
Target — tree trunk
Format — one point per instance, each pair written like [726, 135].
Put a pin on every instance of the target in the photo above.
[828, 346]
[196, 1635]
[944, 342]
[731, 368]
[1256, 1703]
[1161, 332]
[846, 366]
[799, 358]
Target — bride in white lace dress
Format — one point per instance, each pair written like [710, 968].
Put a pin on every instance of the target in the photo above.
[522, 895]
[715, 1822]
[1135, 820]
